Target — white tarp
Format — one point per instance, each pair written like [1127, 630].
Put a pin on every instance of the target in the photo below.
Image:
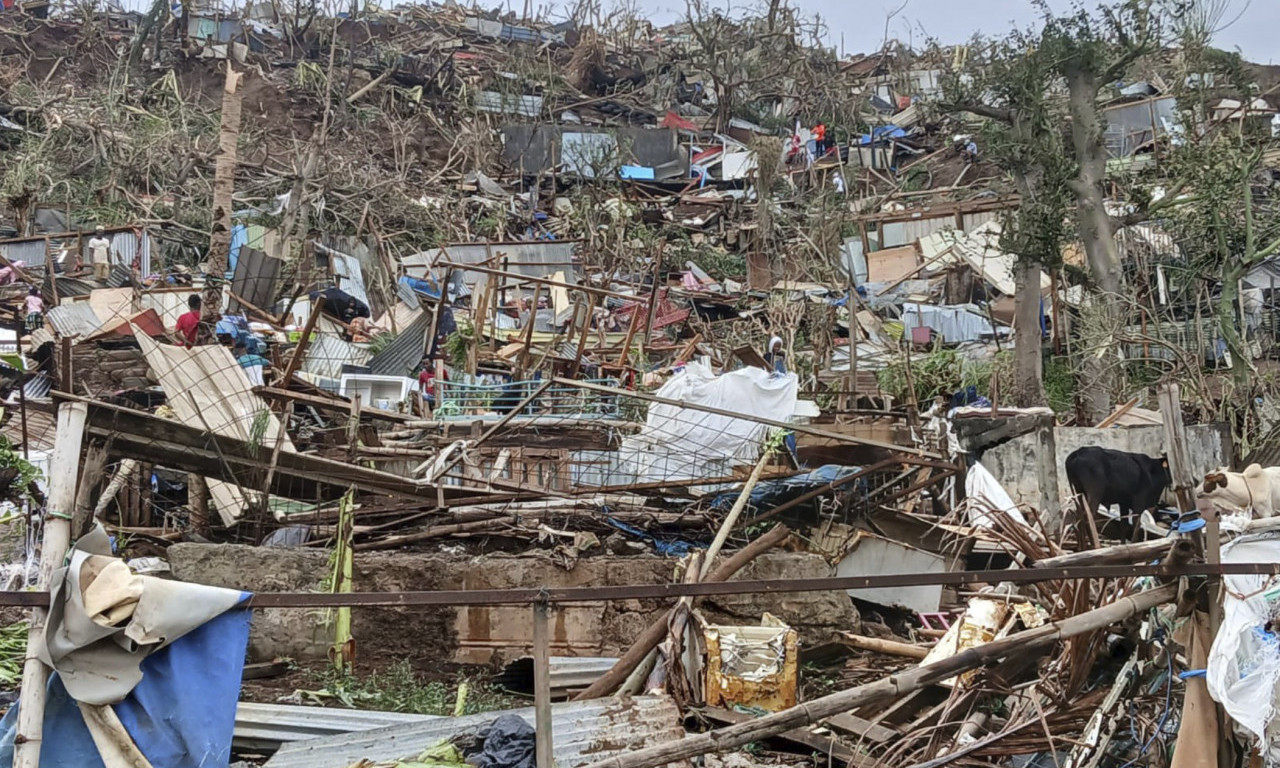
[1244, 663]
[681, 443]
[986, 494]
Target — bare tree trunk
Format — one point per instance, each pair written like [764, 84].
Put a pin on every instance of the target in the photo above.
[1028, 361]
[1095, 232]
[198, 503]
[224, 182]
[1228, 321]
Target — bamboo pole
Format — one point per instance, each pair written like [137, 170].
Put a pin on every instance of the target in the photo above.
[657, 631]
[864, 643]
[891, 687]
[63, 471]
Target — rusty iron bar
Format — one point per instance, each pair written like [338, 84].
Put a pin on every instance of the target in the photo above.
[530, 595]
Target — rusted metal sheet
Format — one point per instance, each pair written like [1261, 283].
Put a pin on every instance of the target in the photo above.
[752, 667]
[584, 732]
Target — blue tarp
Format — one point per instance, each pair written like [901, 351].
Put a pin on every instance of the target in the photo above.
[239, 239]
[669, 546]
[425, 287]
[771, 493]
[182, 714]
[882, 133]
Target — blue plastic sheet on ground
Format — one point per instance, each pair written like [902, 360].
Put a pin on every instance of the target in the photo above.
[426, 287]
[182, 714]
[669, 546]
[771, 493]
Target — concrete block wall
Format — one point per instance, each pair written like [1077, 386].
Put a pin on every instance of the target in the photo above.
[491, 633]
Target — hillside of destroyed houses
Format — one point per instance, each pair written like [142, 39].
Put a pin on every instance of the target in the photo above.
[439, 386]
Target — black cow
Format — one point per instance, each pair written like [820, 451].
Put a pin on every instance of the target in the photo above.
[1134, 481]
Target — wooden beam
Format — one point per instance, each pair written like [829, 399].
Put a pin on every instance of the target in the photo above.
[172, 444]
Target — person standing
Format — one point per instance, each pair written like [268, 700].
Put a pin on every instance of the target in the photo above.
[35, 310]
[189, 322]
[100, 253]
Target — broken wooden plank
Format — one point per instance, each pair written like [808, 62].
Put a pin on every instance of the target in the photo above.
[821, 743]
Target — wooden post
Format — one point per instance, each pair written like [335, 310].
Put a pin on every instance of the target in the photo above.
[653, 300]
[298, 351]
[64, 469]
[224, 179]
[353, 428]
[631, 335]
[582, 337]
[542, 686]
[198, 503]
[527, 339]
[1175, 440]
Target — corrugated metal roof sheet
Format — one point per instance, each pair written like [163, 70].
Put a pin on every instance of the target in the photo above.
[568, 673]
[583, 732]
[75, 318]
[33, 252]
[38, 387]
[327, 353]
[39, 337]
[405, 351]
[509, 103]
[119, 276]
[539, 258]
[268, 726]
[70, 286]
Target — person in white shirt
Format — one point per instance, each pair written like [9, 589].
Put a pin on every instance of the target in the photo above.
[100, 254]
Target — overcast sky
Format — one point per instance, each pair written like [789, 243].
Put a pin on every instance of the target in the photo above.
[861, 23]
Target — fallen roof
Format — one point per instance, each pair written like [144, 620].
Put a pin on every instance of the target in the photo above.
[583, 732]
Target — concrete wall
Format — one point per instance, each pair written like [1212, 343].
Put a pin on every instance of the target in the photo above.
[485, 634]
[1014, 463]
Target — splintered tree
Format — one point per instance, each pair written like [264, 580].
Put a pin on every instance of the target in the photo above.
[1090, 51]
[1009, 83]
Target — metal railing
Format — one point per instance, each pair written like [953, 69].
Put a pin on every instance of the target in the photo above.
[460, 401]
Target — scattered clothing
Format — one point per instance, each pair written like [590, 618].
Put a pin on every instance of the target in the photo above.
[508, 743]
[253, 366]
[9, 274]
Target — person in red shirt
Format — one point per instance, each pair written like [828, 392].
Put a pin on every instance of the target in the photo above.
[189, 322]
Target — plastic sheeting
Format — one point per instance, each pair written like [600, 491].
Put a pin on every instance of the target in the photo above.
[104, 620]
[986, 494]
[508, 743]
[682, 443]
[1244, 662]
[953, 323]
[181, 715]
[771, 493]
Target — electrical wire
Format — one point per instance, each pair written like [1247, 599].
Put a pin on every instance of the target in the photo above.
[1164, 718]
